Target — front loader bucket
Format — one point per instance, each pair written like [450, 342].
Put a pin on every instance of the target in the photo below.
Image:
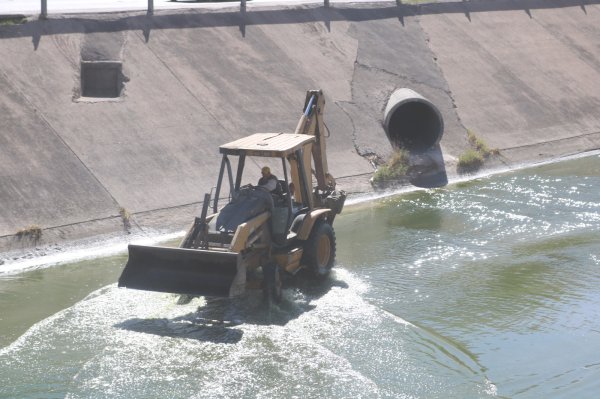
[184, 271]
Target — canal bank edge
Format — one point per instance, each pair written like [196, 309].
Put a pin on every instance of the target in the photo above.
[525, 78]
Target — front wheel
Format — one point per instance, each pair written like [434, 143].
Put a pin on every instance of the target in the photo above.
[319, 251]
[272, 291]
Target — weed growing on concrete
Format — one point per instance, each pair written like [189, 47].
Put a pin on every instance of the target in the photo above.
[125, 217]
[473, 158]
[470, 160]
[479, 145]
[33, 232]
[395, 168]
[9, 21]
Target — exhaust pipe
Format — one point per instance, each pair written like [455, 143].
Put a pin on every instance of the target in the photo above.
[412, 122]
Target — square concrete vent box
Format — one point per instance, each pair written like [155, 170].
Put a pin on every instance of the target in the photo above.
[101, 79]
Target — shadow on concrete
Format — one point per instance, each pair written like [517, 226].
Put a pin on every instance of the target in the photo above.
[242, 17]
[427, 169]
[469, 7]
[216, 320]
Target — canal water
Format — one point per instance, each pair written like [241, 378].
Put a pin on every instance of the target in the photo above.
[488, 288]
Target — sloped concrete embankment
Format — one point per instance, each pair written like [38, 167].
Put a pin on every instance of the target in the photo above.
[75, 165]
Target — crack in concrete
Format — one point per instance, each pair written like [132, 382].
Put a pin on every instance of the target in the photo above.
[353, 133]
[372, 157]
[440, 70]
[397, 75]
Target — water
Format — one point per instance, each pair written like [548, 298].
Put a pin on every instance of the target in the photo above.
[482, 289]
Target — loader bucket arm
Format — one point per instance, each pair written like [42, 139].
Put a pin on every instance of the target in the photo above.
[184, 271]
[312, 123]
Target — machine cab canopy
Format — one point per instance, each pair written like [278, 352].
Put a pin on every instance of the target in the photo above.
[292, 148]
[276, 145]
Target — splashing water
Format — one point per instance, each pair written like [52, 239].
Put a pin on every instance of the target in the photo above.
[482, 289]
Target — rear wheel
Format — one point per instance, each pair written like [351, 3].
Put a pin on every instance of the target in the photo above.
[319, 251]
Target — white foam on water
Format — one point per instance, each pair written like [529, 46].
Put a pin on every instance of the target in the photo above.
[132, 344]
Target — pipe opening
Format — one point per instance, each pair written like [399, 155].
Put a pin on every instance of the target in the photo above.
[101, 79]
[412, 122]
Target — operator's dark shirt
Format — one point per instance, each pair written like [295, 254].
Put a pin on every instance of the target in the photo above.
[271, 183]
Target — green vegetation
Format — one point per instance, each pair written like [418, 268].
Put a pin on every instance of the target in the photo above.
[125, 217]
[395, 168]
[473, 158]
[470, 159]
[12, 20]
[34, 232]
[479, 145]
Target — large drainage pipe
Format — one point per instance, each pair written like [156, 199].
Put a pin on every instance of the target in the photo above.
[412, 121]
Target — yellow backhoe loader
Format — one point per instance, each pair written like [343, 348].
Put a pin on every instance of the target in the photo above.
[259, 236]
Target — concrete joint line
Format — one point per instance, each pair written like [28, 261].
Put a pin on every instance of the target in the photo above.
[71, 224]
[168, 208]
[551, 141]
[356, 175]
[53, 130]
[217, 121]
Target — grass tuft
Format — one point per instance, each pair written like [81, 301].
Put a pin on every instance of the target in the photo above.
[12, 20]
[395, 168]
[473, 158]
[470, 160]
[478, 144]
[34, 232]
[125, 217]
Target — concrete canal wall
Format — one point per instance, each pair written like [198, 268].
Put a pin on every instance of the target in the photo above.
[523, 75]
